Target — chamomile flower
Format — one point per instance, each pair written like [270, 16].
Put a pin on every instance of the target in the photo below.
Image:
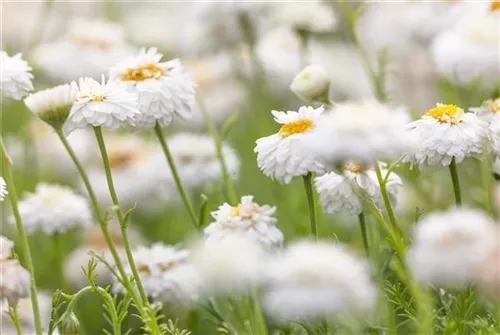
[312, 16]
[282, 156]
[163, 88]
[6, 246]
[3, 189]
[314, 280]
[15, 78]
[165, 273]
[54, 209]
[247, 218]
[448, 246]
[445, 133]
[489, 111]
[107, 104]
[15, 283]
[341, 192]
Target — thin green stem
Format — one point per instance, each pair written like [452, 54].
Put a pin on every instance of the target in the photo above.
[310, 199]
[177, 178]
[258, 315]
[456, 182]
[387, 200]
[23, 239]
[58, 240]
[362, 224]
[14, 315]
[118, 211]
[488, 182]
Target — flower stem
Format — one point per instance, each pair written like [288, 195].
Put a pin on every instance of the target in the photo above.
[14, 315]
[177, 178]
[362, 224]
[259, 317]
[455, 181]
[23, 239]
[387, 200]
[58, 240]
[310, 199]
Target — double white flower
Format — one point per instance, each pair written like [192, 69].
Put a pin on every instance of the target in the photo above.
[15, 78]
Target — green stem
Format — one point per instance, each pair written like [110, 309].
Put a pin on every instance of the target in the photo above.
[362, 224]
[23, 239]
[387, 200]
[58, 240]
[488, 182]
[14, 315]
[456, 182]
[310, 199]
[118, 211]
[177, 178]
[259, 317]
[229, 193]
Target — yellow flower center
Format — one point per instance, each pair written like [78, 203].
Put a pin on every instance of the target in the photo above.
[296, 127]
[98, 98]
[235, 211]
[143, 268]
[122, 159]
[144, 72]
[355, 167]
[446, 113]
[494, 6]
[89, 42]
[494, 105]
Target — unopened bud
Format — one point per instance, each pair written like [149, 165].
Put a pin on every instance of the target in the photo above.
[311, 84]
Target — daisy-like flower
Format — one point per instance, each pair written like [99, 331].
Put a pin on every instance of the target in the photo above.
[15, 78]
[448, 246]
[313, 280]
[15, 282]
[313, 16]
[282, 156]
[54, 209]
[3, 189]
[341, 192]
[247, 218]
[53, 105]
[6, 246]
[445, 133]
[107, 104]
[163, 88]
[360, 131]
[25, 311]
[165, 274]
[489, 111]
[311, 84]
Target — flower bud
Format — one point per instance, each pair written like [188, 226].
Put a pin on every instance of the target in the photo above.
[311, 84]
[69, 324]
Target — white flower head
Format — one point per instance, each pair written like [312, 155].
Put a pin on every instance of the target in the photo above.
[247, 218]
[445, 133]
[163, 88]
[25, 311]
[312, 280]
[15, 78]
[313, 16]
[447, 246]
[54, 104]
[489, 111]
[107, 104]
[15, 283]
[487, 274]
[6, 247]
[282, 156]
[341, 192]
[311, 84]
[165, 273]
[360, 131]
[3, 189]
[54, 209]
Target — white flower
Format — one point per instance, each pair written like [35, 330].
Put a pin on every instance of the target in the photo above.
[89, 49]
[445, 133]
[6, 247]
[447, 246]
[53, 105]
[105, 104]
[313, 280]
[248, 219]
[15, 283]
[341, 192]
[489, 111]
[163, 88]
[311, 84]
[25, 311]
[165, 274]
[54, 209]
[3, 189]
[15, 77]
[313, 16]
[487, 274]
[282, 156]
[360, 131]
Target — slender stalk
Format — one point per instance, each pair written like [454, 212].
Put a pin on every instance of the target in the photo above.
[455, 181]
[23, 239]
[14, 315]
[58, 240]
[310, 199]
[387, 200]
[258, 315]
[488, 182]
[177, 178]
[118, 211]
[362, 224]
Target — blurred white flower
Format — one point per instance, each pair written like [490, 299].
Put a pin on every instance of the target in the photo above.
[165, 273]
[447, 246]
[489, 111]
[314, 280]
[54, 209]
[6, 247]
[89, 49]
[15, 283]
[102, 104]
[446, 132]
[53, 105]
[163, 88]
[341, 192]
[312, 16]
[25, 312]
[311, 84]
[360, 131]
[487, 274]
[15, 76]
[247, 218]
[282, 156]
[3, 189]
